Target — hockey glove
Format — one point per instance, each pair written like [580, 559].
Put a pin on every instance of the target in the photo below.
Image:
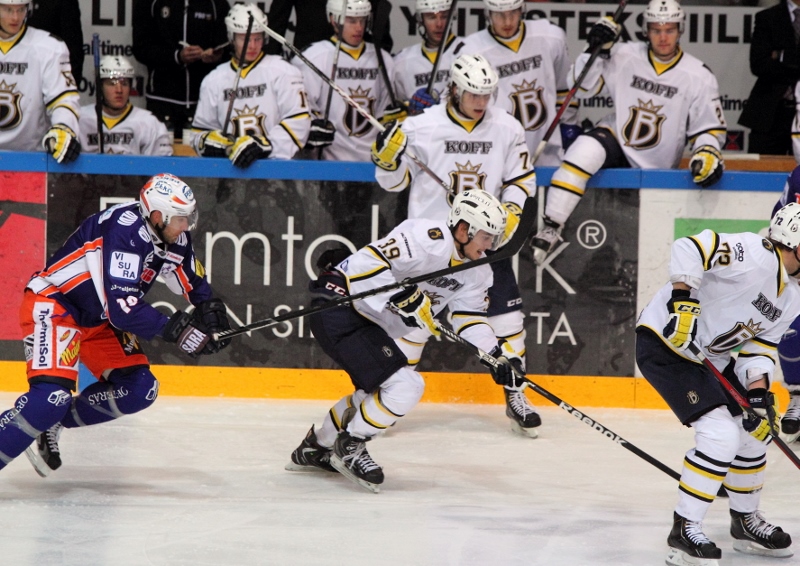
[681, 327]
[604, 33]
[389, 146]
[706, 165]
[247, 149]
[322, 132]
[569, 133]
[62, 143]
[509, 372]
[189, 334]
[765, 405]
[421, 100]
[512, 221]
[394, 114]
[414, 307]
[213, 315]
[214, 144]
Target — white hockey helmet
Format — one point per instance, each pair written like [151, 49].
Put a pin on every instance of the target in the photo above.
[473, 73]
[664, 12]
[115, 67]
[481, 211]
[502, 5]
[784, 228]
[238, 19]
[339, 9]
[15, 2]
[431, 6]
[170, 196]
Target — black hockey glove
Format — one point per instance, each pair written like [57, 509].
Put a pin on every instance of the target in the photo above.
[322, 133]
[189, 333]
[681, 326]
[604, 33]
[214, 316]
[765, 405]
[706, 165]
[247, 149]
[214, 143]
[509, 372]
[62, 143]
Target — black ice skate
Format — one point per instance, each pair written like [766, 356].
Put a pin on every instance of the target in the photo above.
[351, 459]
[753, 535]
[790, 423]
[523, 415]
[310, 456]
[545, 241]
[43, 453]
[688, 546]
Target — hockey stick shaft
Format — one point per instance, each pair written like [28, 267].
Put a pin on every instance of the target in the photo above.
[743, 402]
[578, 81]
[98, 91]
[242, 56]
[379, 22]
[335, 66]
[526, 224]
[355, 105]
[442, 45]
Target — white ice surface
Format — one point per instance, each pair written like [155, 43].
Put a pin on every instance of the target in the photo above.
[201, 482]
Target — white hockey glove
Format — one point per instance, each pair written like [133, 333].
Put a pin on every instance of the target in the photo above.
[62, 143]
[247, 149]
[512, 221]
[509, 372]
[214, 144]
[604, 33]
[389, 146]
[321, 134]
[190, 334]
[706, 165]
[681, 327]
[414, 307]
[761, 400]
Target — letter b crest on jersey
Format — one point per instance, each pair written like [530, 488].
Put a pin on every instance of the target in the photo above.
[10, 112]
[466, 177]
[528, 105]
[355, 124]
[643, 128]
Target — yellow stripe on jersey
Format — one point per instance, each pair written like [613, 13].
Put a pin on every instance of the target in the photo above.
[404, 182]
[782, 275]
[661, 68]
[567, 187]
[765, 343]
[712, 475]
[519, 182]
[111, 121]
[706, 257]
[289, 131]
[430, 54]
[465, 123]
[247, 68]
[744, 471]
[743, 354]
[696, 493]
[597, 89]
[354, 52]
[515, 42]
[6, 46]
[57, 100]
[454, 261]
[461, 329]
[407, 341]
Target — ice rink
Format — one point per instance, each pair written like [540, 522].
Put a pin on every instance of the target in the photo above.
[201, 482]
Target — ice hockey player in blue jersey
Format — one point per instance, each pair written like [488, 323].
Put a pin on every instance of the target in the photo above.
[87, 306]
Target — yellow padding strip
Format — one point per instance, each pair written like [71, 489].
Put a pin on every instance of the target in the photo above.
[709, 475]
[748, 471]
[697, 492]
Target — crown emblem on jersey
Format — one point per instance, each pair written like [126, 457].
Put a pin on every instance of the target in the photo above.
[754, 327]
[525, 86]
[649, 106]
[247, 111]
[7, 87]
[468, 167]
[360, 92]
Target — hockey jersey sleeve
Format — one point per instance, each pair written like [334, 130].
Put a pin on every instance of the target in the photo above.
[155, 138]
[315, 88]
[468, 310]
[59, 91]
[594, 82]
[706, 122]
[692, 256]
[519, 177]
[561, 66]
[189, 278]
[206, 116]
[292, 132]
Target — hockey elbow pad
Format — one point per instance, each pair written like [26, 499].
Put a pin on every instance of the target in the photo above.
[706, 165]
[214, 144]
[62, 143]
[389, 146]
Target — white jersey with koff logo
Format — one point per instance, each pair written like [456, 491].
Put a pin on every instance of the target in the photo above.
[413, 67]
[134, 132]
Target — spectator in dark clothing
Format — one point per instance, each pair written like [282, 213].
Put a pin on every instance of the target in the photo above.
[180, 42]
[775, 61]
[62, 18]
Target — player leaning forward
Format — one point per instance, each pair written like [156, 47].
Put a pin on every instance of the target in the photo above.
[87, 306]
[748, 292]
[361, 337]
[662, 96]
[473, 145]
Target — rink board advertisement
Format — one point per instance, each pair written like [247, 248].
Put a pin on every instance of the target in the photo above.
[259, 241]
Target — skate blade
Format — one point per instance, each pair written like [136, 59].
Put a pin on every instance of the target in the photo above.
[342, 468]
[36, 461]
[789, 438]
[677, 557]
[292, 467]
[750, 547]
[526, 432]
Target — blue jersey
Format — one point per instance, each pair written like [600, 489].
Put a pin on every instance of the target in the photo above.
[791, 191]
[110, 262]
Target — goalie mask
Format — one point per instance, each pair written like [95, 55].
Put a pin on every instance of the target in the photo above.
[238, 19]
[482, 211]
[116, 67]
[171, 197]
[664, 12]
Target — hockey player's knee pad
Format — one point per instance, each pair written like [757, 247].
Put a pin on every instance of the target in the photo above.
[614, 156]
[141, 386]
[789, 354]
[586, 153]
[401, 392]
[43, 406]
[717, 434]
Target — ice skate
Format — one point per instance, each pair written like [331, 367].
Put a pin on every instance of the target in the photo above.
[310, 456]
[752, 534]
[351, 459]
[523, 415]
[545, 241]
[43, 453]
[790, 423]
[688, 546]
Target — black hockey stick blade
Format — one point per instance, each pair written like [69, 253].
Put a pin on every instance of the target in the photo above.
[527, 222]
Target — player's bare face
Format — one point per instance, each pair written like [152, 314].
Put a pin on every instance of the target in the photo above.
[115, 95]
[434, 27]
[12, 17]
[254, 46]
[505, 24]
[663, 40]
[478, 245]
[473, 106]
[353, 30]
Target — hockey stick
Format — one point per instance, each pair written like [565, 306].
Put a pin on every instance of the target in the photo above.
[526, 224]
[442, 44]
[355, 105]
[379, 21]
[335, 66]
[568, 98]
[238, 73]
[98, 91]
[744, 403]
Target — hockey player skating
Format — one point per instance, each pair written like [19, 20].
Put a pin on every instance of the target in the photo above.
[360, 338]
[532, 61]
[346, 135]
[413, 65]
[126, 129]
[270, 115]
[474, 145]
[87, 306]
[747, 289]
[663, 97]
[41, 104]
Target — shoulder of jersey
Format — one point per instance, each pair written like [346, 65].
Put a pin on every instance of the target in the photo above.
[760, 250]
[692, 62]
[433, 235]
[500, 116]
[546, 28]
[277, 64]
[407, 52]
[128, 220]
[44, 40]
[316, 48]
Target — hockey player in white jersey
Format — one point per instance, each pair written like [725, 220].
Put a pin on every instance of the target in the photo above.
[747, 289]
[39, 100]
[662, 97]
[126, 129]
[360, 337]
[532, 61]
[414, 64]
[270, 117]
[473, 145]
[347, 136]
